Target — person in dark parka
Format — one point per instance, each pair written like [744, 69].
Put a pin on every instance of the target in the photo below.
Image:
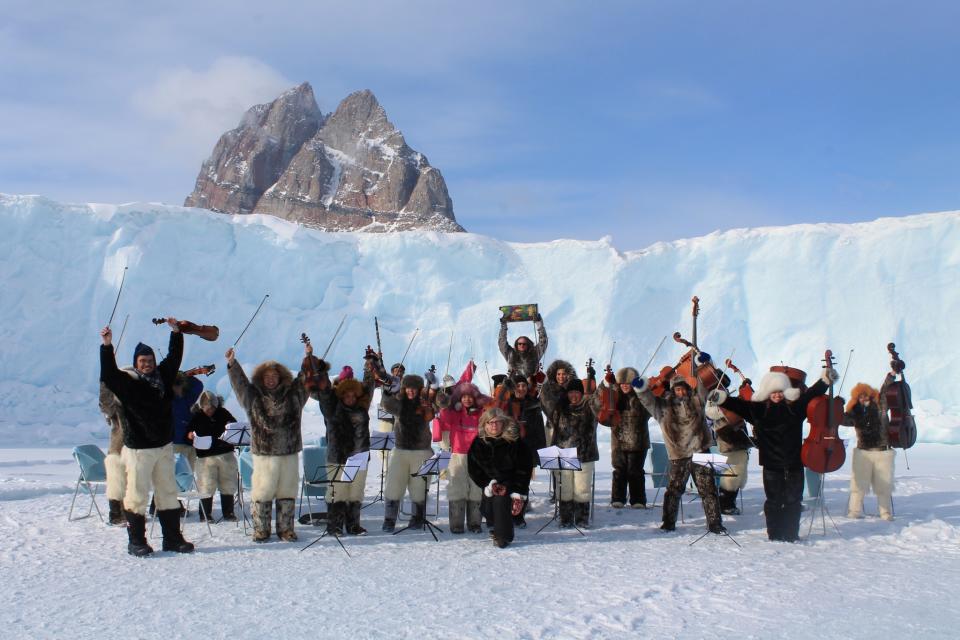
[501, 463]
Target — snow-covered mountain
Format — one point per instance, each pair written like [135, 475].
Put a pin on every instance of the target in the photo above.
[349, 170]
[767, 295]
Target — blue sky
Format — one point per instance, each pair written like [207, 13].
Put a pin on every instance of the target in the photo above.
[644, 121]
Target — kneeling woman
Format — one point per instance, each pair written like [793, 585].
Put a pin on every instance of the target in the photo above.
[500, 462]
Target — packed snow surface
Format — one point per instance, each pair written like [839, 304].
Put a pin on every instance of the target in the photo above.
[767, 296]
[624, 579]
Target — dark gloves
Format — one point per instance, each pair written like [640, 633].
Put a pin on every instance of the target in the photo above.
[591, 373]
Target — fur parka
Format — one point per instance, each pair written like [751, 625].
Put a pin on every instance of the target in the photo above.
[682, 421]
[527, 363]
[348, 428]
[274, 415]
[113, 414]
[411, 419]
[633, 431]
[870, 422]
[574, 425]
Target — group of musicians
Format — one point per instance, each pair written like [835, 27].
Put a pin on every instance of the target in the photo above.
[493, 439]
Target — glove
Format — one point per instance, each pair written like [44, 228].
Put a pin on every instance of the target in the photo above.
[638, 383]
[394, 387]
[431, 379]
[610, 378]
[702, 358]
[499, 489]
[830, 375]
[717, 396]
[539, 377]
[503, 320]
[713, 411]
[517, 506]
[591, 373]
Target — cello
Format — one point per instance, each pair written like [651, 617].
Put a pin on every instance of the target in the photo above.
[901, 427]
[823, 450]
[735, 433]
[205, 331]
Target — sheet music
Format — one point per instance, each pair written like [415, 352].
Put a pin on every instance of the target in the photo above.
[555, 458]
[202, 443]
[715, 460]
[354, 465]
[435, 463]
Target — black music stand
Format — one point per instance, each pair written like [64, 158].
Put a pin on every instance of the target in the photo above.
[238, 434]
[382, 441]
[719, 468]
[820, 508]
[332, 476]
[556, 459]
[432, 466]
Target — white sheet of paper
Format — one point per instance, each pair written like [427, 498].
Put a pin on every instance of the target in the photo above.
[354, 465]
[382, 440]
[202, 442]
[237, 433]
[554, 457]
[437, 462]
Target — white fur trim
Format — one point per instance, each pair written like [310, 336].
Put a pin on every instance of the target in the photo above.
[713, 411]
[517, 496]
[771, 382]
[488, 490]
[829, 375]
[791, 394]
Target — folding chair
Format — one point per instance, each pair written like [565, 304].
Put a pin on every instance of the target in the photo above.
[186, 489]
[245, 469]
[661, 466]
[314, 470]
[93, 473]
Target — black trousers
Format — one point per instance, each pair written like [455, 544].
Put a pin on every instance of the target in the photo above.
[497, 512]
[628, 475]
[784, 491]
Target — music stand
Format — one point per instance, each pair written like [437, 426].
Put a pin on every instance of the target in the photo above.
[715, 462]
[821, 505]
[238, 434]
[382, 441]
[554, 458]
[332, 476]
[432, 466]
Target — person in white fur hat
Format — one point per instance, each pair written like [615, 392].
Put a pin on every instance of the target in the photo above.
[777, 412]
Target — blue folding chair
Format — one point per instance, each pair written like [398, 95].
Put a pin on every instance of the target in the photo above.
[93, 473]
[314, 475]
[186, 488]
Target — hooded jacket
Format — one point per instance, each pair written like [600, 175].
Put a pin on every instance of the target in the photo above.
[348, 428]
[870, 422]
[505, 459]
[147, 408]
[203, 425]
[411, 417]
[274, 414]
[574, 425]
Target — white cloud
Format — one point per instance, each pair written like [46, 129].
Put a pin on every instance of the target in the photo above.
[198, 106]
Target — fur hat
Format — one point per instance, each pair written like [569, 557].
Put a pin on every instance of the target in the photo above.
[467, 389]
[678, 380]
[346, 373]
[448, 381]
[859, 389]
[396, 366]
[575, 384]
[627, 375]
[346, 385]
[773, 381]
[142, 350]
[261, 369]
[517, 378]
[412, 381]
[207, 399]
[510, 432]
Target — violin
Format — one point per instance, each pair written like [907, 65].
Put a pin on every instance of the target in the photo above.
[823, 451]
[590, 384]
[901, 427]
[608, 415]
[205, 331]
[204, 370]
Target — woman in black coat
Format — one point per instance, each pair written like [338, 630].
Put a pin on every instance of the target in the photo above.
[500, 462]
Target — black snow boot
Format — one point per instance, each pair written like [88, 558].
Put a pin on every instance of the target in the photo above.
[226, 507]
[206, 509]
[566, 514]
[354, 527]
[728, 502]
[172, 538]
[582, 516]
[137, 534]
[390, 510]
[419, 516]
[115, 519]
[335, 518]
[671, 505]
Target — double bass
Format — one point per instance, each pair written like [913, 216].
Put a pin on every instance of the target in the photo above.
[823, 450]
[901, 427]
[205, 331]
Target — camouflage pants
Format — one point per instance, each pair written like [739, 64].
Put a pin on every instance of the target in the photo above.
[703, 477]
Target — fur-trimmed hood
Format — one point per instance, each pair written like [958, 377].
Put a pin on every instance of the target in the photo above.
[859, 389]
[207, 398]
[286, 378]
[773, 381]
[468, 389]
[412, 381]
[626, 375]
[560, 364]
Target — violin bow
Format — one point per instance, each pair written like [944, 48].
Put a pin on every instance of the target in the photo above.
[845, 369]
[117, 301]
[655, 352]
[251, 319]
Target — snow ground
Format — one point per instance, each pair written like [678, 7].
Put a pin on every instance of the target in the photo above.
[625, 578]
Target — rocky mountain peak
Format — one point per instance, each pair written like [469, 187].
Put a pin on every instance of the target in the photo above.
[350, 170]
